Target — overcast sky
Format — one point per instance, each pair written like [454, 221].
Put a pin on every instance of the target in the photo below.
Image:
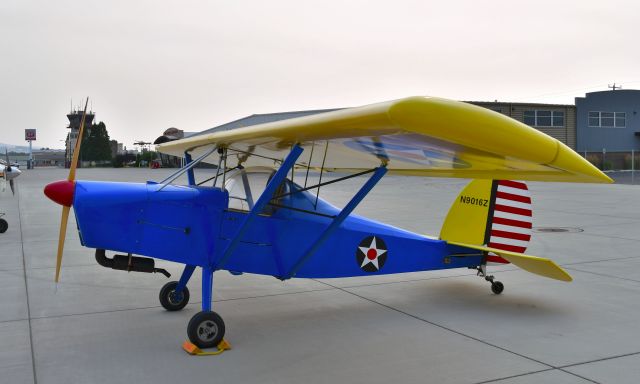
[150, 65]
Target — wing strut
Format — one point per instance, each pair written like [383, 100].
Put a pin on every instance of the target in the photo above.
[362, 193]
[262, 201]
[184, 169]
[190, 175]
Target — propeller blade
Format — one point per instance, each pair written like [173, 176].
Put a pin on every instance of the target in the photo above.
[67, 208]
[61, 237]
[76, 149]
[13, 190]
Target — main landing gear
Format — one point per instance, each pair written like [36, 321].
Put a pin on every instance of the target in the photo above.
[496, 286]
[206, 328]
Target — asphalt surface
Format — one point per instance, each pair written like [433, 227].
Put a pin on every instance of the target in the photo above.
[103, 326]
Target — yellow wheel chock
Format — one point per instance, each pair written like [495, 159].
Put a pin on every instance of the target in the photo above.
[191, 349]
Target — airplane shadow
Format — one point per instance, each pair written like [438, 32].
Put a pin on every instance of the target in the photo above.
[471, 298]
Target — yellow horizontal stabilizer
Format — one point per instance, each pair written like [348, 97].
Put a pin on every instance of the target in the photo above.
[538, 265]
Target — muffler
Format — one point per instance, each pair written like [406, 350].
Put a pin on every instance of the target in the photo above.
[129, 263]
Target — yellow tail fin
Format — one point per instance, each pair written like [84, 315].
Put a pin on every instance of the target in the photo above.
[467, 218]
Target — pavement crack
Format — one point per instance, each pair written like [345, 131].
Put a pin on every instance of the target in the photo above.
[602, 260]
[26, 288]
[599, 360]
[606, 236]
[603, 274]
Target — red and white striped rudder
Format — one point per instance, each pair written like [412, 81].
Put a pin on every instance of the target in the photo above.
[510, 218]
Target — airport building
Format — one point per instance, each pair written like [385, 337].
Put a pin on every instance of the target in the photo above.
[608, 128]
[41, 158]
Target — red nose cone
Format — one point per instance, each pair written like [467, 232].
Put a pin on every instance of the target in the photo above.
[61, 192]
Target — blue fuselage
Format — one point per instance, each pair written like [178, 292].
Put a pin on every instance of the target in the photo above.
[194, 226]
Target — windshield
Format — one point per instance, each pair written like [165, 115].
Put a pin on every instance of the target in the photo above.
[245, 186]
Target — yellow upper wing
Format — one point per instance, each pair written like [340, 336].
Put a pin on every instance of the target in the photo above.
[421, 136]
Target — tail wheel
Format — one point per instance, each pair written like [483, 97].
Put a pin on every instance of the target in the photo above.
[172, 301]
[206, 329]
[497, 287]
[3, 226]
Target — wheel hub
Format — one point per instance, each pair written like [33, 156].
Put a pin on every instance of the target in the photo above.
[175, 298]
[207, 330]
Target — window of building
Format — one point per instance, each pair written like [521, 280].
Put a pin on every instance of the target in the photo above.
[542, 118]
[607, 119]
[530, 117]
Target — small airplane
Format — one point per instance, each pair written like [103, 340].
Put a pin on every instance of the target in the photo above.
[258, 213]
[8, 172]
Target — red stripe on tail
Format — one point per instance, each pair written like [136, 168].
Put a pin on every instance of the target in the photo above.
[511, 196]
[514, 210]
[510, 235]
[511, 222]
[507, 247]
[513, 184]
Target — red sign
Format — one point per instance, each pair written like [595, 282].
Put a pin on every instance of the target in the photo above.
[30, 134]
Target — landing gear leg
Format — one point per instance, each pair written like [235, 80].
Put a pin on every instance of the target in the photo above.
[206, 329]
[496, 286]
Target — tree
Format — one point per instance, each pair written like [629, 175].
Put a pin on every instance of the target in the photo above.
[95, 143]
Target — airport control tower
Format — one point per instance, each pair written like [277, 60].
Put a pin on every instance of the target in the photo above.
[75, 116]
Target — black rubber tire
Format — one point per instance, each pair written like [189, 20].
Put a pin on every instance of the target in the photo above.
[497, 287]
[168, 297]
[206, 329]
[3, 225]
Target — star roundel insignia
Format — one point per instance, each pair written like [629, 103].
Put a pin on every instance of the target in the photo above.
[371, 254]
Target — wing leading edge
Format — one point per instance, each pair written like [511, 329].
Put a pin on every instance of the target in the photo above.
[420, 136]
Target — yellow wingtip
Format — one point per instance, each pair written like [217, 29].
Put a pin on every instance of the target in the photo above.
[570, 161]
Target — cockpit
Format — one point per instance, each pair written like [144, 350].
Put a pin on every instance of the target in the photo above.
[246, 185]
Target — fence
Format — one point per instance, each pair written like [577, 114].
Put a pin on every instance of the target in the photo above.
[613, 160]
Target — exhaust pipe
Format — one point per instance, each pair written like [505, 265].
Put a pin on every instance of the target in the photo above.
[129, 263]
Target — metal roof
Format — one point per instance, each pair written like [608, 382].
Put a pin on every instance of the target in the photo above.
[263, 118]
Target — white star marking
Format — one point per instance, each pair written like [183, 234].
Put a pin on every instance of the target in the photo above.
[365, 250]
